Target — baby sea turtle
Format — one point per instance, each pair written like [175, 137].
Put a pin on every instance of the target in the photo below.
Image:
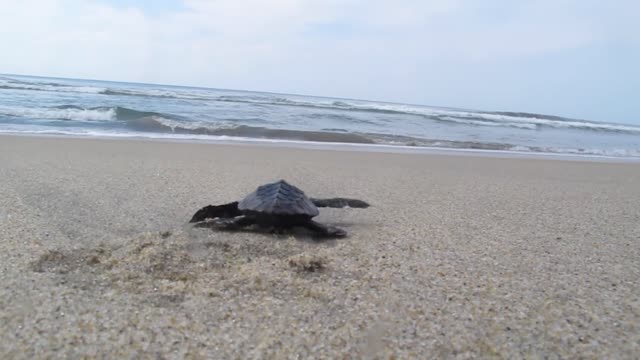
[279, 206]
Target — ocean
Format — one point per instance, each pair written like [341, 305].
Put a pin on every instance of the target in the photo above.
[39, 105]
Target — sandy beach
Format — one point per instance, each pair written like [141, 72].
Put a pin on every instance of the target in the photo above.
[458, 257]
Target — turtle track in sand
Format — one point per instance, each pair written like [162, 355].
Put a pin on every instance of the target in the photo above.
[168, 268]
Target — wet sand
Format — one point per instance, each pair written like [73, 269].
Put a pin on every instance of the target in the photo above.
[459, 256]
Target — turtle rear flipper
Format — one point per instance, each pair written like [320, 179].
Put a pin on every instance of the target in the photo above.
[229, 210]
[340, 203]
[324, 231]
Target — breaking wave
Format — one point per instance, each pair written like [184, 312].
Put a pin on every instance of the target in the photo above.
[10, 84]
[454, 117]
[67, 112]
[160, 124]
[154, 122]
[154, 93]
[77, 113]
[493, 119]
[505, 119]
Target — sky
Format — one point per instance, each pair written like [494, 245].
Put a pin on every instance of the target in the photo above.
[574, 58]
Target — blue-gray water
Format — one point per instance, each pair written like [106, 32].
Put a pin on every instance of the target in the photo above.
[38, 105]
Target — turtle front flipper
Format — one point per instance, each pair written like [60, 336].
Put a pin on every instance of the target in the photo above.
[233, 224]
[340, 203]
[323, 230]
[224, 223]
[229, 211]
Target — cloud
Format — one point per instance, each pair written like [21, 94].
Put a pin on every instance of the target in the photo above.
[255, 27]
[395, 50]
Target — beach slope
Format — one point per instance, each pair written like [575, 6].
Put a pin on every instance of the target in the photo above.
[458, 257]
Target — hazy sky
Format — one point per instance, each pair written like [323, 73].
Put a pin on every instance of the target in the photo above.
[577, 58]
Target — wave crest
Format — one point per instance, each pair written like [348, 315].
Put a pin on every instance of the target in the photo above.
[61, 113]
[164, 125]
[10, 84]
[79, 113]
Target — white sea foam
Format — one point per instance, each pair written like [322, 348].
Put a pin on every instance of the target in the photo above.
[192, 125]
[158, 93]
[527, 122]
[616, 152]
[73, 113]
[50, 87]
[630, 155]
[489, 123]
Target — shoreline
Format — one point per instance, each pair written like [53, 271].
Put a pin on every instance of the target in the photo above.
[350, 147]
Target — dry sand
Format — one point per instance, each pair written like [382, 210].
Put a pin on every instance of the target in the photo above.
[459, 257]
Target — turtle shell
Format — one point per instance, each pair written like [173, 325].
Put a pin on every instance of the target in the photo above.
[279, 198]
